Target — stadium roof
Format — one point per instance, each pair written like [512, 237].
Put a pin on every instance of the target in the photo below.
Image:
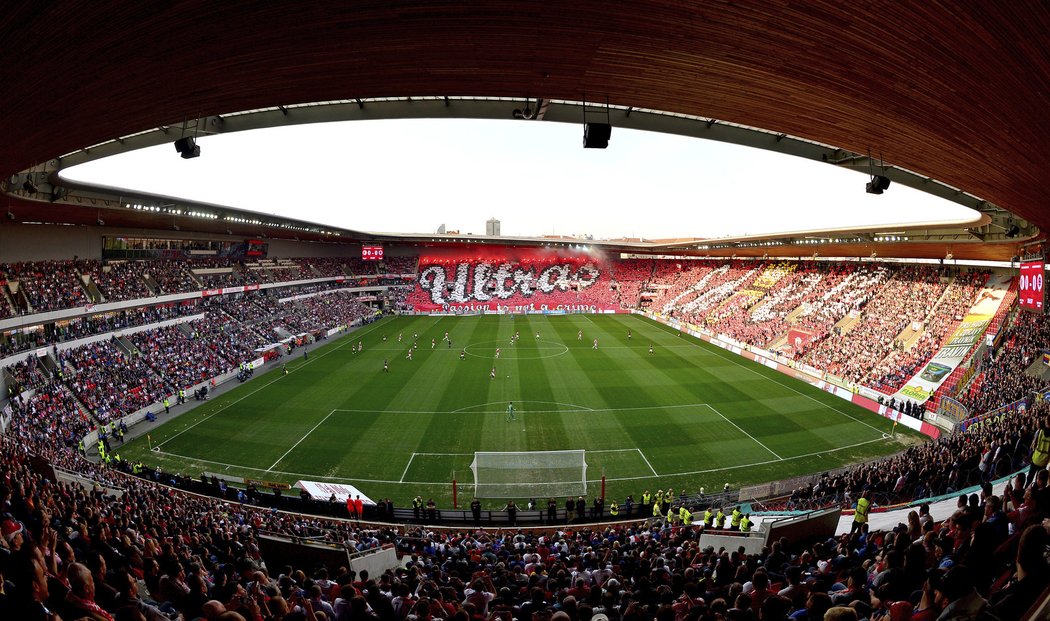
[953, 93]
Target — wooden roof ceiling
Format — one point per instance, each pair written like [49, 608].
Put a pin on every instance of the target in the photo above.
[955, 91]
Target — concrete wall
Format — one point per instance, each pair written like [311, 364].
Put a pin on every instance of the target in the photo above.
[27, 242]
[31, 242]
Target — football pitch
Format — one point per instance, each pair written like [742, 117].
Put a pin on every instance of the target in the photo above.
[684, 416]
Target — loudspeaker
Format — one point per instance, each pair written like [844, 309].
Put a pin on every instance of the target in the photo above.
[187, 147]
[596, 135]
[877, 185]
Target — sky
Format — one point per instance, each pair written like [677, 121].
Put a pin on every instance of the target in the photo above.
[411, 176]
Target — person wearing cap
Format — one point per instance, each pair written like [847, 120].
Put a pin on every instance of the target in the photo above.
[957, 596]
[13, 535]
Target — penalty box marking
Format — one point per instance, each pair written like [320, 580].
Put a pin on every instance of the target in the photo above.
[442, 483]
[620, 450]
[404, 473]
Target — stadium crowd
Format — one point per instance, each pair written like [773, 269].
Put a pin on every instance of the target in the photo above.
[1002, 378]
[108, 382]
[117, 280]
[902, 363]
[46, 285]
[157, 553]
[154, 552]
[907, 298]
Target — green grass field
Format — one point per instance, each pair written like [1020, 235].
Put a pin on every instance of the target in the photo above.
[689, 415]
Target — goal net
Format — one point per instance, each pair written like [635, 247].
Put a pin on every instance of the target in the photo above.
[529, 474]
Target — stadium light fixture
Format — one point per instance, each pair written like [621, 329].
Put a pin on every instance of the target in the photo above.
[596, 135]
[188, 147]
[878, 183]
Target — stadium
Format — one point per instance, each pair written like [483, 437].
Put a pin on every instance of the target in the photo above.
[221, 413]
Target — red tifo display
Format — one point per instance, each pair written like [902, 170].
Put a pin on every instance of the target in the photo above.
[1030, 290]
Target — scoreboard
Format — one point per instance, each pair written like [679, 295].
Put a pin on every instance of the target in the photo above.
[372, 253]
[1030, 290]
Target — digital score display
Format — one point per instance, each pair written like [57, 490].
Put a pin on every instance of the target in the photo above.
[1030, 290]
[371, 253]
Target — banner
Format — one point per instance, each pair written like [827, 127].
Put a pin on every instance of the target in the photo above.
[993, 416]
[953, 409]
[324, 491]
[798, 337]
[922, 386]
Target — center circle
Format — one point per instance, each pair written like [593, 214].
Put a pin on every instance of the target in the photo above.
[487, 350]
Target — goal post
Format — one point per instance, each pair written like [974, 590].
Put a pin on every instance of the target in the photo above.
[530, 474]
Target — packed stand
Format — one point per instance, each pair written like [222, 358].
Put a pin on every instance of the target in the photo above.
[50, 418]
[907, 298]
[250, 308]
[91, 325]
[320, 267]
[159, 553]
[181, 361]
[26, 375]
[172, 276]
[109, 383]
[271, 271]
[903, 363]
[629, 277]
[1002, 378]
[117, 280]
[226, 337]
[398, 264]
[700, 299]
[992, 449]
[47, 285]
[219, 279]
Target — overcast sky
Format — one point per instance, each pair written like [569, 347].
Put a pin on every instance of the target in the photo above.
[411, 176]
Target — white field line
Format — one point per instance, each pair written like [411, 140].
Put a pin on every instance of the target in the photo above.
[647, 462]
[756, 440]
[469, 408]
[638, 478]
[588, 410]
[738, 467]
[300, 440]
[402, 480]
[775, 381]
[266, 385]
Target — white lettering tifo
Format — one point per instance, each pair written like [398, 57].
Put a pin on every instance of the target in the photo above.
[501, 282]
